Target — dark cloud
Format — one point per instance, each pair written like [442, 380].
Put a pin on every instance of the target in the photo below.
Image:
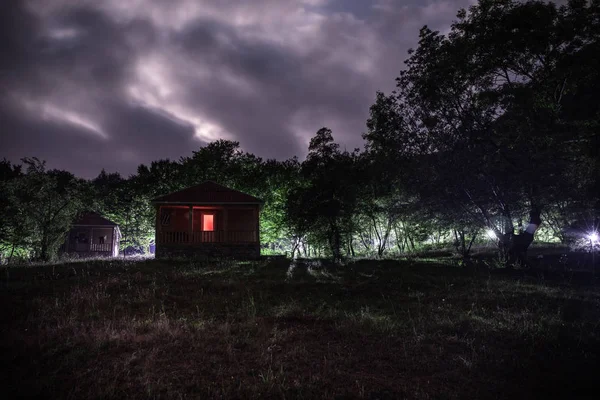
[358, 8]
[18, 30]
[112, 84]
[64, 145]
[141, 134]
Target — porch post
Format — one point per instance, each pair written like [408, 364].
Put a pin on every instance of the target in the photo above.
[225, 230]
[191, 224]
[257, 212]
[157, 227]
[91, 241]
[112, 242]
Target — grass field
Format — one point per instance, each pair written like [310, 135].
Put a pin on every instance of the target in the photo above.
[371, 329]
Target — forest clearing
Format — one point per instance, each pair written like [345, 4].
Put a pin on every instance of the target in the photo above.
[279, 329]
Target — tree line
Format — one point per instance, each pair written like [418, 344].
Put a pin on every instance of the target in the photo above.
[488, 123]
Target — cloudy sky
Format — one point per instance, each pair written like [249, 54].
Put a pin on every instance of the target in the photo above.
[94, 84]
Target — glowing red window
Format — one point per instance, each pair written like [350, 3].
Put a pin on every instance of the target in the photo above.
[208, 222]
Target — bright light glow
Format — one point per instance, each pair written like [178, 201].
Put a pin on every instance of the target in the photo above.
[208, 222]
[491, 234]
[74, 119]
[49, 111]
[156, 88]
[593, 236]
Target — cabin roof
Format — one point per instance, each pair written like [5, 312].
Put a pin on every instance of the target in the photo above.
[207, 193]
[93, 219]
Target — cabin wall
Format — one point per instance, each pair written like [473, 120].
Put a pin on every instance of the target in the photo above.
[91, 241]
[83, 235]
[241, 220]
[218, 221]
[234, 218]
[178, 220]
[238, 218]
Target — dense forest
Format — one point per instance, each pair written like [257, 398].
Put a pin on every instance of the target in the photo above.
[495, 121]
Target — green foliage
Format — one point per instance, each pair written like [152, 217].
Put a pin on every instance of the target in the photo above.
[127, 203]
[38, 207]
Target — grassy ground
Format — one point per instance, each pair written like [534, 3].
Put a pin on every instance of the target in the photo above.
[153, 329]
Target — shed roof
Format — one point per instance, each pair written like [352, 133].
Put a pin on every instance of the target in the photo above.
[208, 193]
[93, 219]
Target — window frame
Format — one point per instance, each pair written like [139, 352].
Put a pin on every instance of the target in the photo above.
[214, 221]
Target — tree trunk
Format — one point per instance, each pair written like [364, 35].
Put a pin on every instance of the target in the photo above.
[44, 248]
[517, 252]
[472, 241]
[412, 242]
[12, 251]
[335, 242]
[460, 243]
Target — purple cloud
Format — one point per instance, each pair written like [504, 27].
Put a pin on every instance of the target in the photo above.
[90, 85]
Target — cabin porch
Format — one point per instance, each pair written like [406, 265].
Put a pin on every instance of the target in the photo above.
[229, 230]
[92, 241]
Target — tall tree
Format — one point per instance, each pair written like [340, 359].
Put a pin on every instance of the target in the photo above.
[486, 106]
[47, 202]
[326, 203]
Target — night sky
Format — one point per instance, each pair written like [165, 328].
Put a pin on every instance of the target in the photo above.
[112, 84]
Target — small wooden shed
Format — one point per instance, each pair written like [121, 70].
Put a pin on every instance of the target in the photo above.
[93, 235]
[208, 220]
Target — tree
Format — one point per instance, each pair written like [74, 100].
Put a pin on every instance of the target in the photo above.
[220, 161]
[484, 110]
[15, 230]
[325, 204]
[278, 180]
[127, 203]
[45, 204]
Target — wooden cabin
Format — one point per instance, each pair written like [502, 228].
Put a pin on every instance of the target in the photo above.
[208, 220]
[92, 235]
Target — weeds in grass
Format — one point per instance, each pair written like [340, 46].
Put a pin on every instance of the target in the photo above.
[251, 307]
[374, 330]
